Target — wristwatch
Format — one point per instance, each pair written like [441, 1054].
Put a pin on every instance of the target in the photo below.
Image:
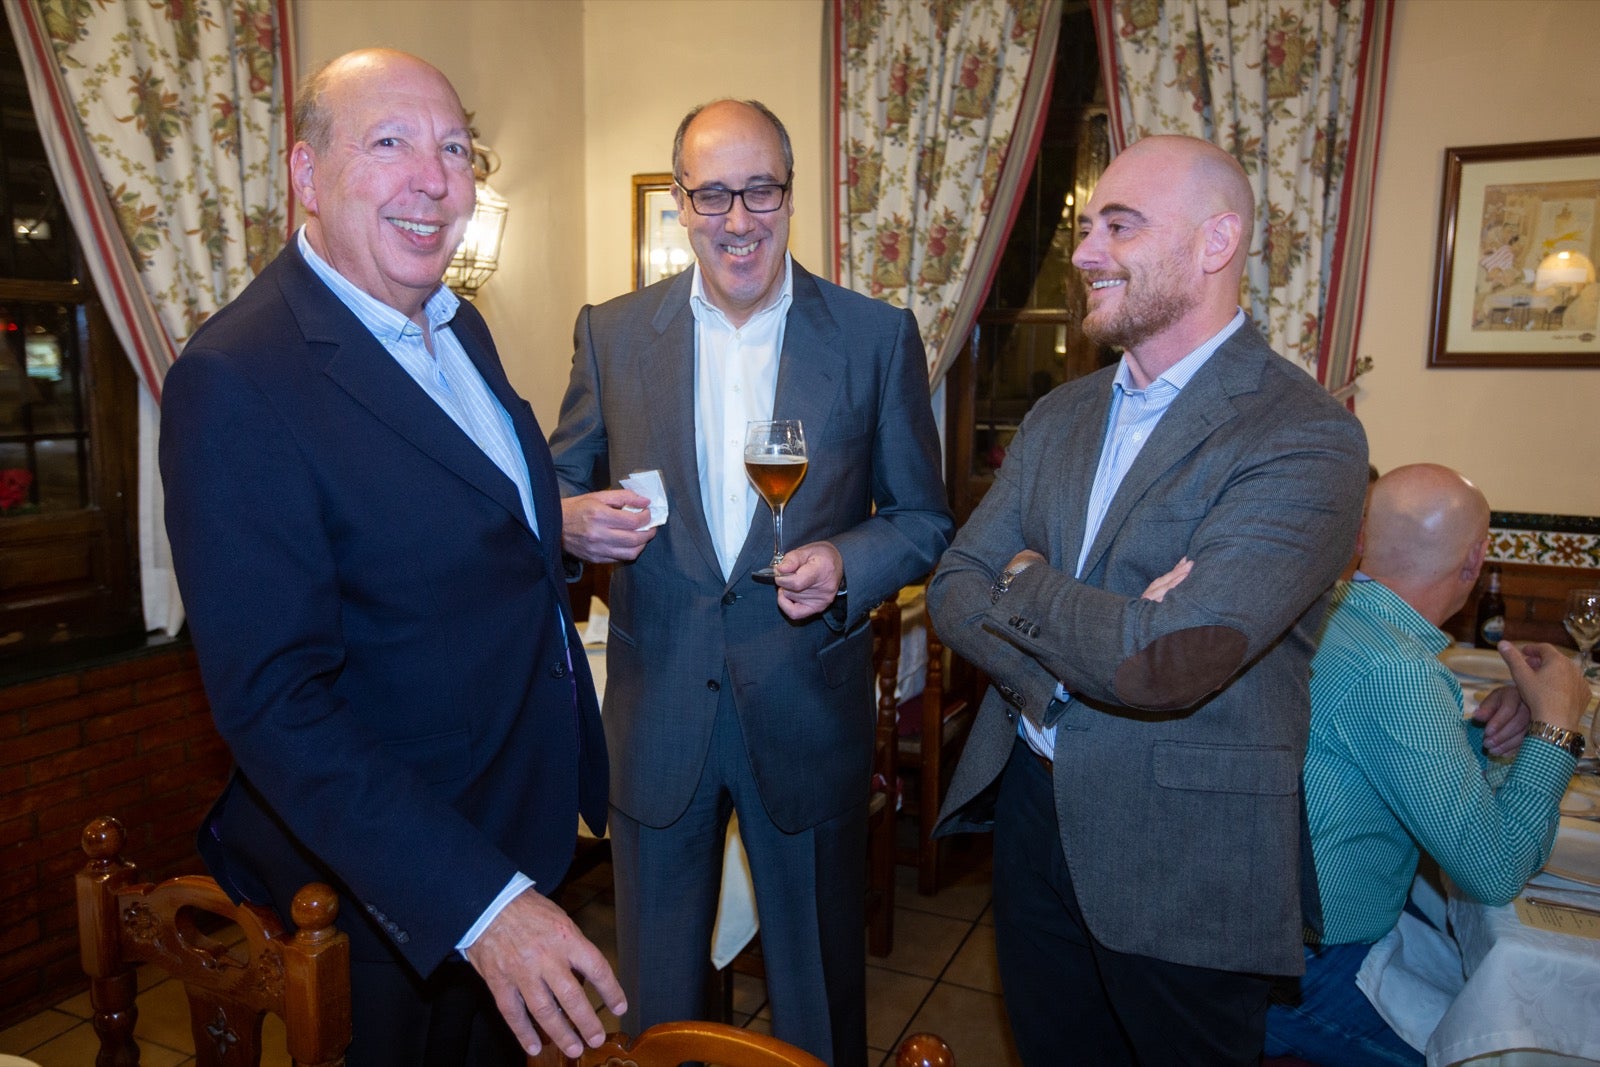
[1002, 584]
[1571, 740]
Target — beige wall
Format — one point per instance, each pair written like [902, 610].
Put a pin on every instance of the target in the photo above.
[578, 96]
[1462, 73]
[647, 62]
[518, 66]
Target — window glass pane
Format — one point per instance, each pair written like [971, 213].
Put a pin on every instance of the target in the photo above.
[16, 478]
[42, 410]
[43, 340]
[59, 468]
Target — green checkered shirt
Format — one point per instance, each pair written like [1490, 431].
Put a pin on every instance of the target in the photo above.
[1392, 766]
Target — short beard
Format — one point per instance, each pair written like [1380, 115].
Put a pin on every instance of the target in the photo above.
[1140, 318]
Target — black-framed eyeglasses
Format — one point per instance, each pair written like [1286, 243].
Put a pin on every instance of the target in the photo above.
[758, 199]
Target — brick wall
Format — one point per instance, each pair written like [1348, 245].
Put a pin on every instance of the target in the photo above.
[132, 739]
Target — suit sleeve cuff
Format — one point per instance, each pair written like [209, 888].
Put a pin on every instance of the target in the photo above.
[513, 889]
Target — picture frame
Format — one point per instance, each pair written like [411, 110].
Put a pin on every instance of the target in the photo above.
[1514, 276]
[660, 243]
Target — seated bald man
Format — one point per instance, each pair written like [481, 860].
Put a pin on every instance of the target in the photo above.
[1392, 764]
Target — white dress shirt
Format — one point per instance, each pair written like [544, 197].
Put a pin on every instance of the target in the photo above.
[735, 383]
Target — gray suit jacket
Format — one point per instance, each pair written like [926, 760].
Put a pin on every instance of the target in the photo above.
[853, 370]
[1177, 773]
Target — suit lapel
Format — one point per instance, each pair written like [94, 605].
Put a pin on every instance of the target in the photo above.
[1203, 405]
[473, 333]
[358, 364]
[1068, 483]
[668, 361]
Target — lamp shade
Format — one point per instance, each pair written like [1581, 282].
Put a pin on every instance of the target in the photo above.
[1563, 268]
[479, 254]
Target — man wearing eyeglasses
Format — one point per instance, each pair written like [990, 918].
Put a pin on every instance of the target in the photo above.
[726, 694]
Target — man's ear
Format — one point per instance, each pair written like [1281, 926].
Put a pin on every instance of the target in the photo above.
[1222, 235]
[302, 175]
[1474, 561]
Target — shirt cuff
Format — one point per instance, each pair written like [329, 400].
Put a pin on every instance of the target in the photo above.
[513, 889]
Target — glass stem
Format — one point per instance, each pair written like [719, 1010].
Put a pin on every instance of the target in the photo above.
[777, 535]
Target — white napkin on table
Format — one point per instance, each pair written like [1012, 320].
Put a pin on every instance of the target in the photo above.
[598, 626]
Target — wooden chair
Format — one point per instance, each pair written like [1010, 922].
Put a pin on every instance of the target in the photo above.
[303, 978]
[883, 802]
[670, 1044]
[929, 752]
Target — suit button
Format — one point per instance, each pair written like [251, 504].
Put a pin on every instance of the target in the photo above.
[728, 598]
[1033, 631]
[713, 685]
[558, 671]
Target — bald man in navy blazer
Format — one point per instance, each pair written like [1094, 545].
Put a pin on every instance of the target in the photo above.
[367, 531]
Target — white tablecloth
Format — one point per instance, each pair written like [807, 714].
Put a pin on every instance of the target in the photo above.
[736, 907]
[1526, 989]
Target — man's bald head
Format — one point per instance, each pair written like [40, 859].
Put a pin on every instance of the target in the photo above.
[1207, 179]
[1425, 537]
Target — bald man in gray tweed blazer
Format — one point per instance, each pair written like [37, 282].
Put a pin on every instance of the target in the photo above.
[1138, 756]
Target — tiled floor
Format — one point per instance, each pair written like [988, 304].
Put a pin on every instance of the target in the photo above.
[940, 978]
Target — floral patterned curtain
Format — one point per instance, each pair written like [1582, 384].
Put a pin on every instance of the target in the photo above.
[1292, 88]
[167, 127]
[938, 107]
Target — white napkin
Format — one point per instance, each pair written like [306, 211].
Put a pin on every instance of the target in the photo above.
[1411, 975]
[598, 625]
[648, 483]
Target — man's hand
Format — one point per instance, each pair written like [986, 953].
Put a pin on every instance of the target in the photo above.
[808, 579]
[534, 960]
[1549, 683]
[1158, 589]
[1505, 717]
[596, 529]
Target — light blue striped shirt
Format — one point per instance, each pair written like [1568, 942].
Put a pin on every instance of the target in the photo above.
[445, 374]
[1133, 418]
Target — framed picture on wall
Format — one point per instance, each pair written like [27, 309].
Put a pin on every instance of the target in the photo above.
[660, 243]
[1519, 238]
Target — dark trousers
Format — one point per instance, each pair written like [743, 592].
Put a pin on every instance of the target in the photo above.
[450, 1019]
[810, 890]
[1072, 1000]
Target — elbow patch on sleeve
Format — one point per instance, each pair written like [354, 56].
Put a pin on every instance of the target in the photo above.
[1179, 669]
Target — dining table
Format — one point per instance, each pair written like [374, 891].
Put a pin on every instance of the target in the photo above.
[1513, 985]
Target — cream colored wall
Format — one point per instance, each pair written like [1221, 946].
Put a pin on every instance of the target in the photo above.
[578, 96]
[647, 62]
[518, 66]
[1461, 74]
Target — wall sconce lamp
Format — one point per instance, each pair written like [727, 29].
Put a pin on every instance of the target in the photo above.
[479, 254]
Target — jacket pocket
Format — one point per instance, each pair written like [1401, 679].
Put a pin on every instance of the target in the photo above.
[441, 757]
[1266, 770]
[848, 655]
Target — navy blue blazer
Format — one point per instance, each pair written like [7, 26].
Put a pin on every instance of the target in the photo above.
[379, 630]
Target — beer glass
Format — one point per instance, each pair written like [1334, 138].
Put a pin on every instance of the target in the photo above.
[775, 461]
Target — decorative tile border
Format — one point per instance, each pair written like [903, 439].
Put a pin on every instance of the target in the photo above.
[1552, 540]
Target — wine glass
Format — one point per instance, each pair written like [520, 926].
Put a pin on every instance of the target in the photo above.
[1582, 621]
[775, 461]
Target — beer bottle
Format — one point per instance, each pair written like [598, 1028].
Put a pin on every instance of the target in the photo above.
[1490, 626]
